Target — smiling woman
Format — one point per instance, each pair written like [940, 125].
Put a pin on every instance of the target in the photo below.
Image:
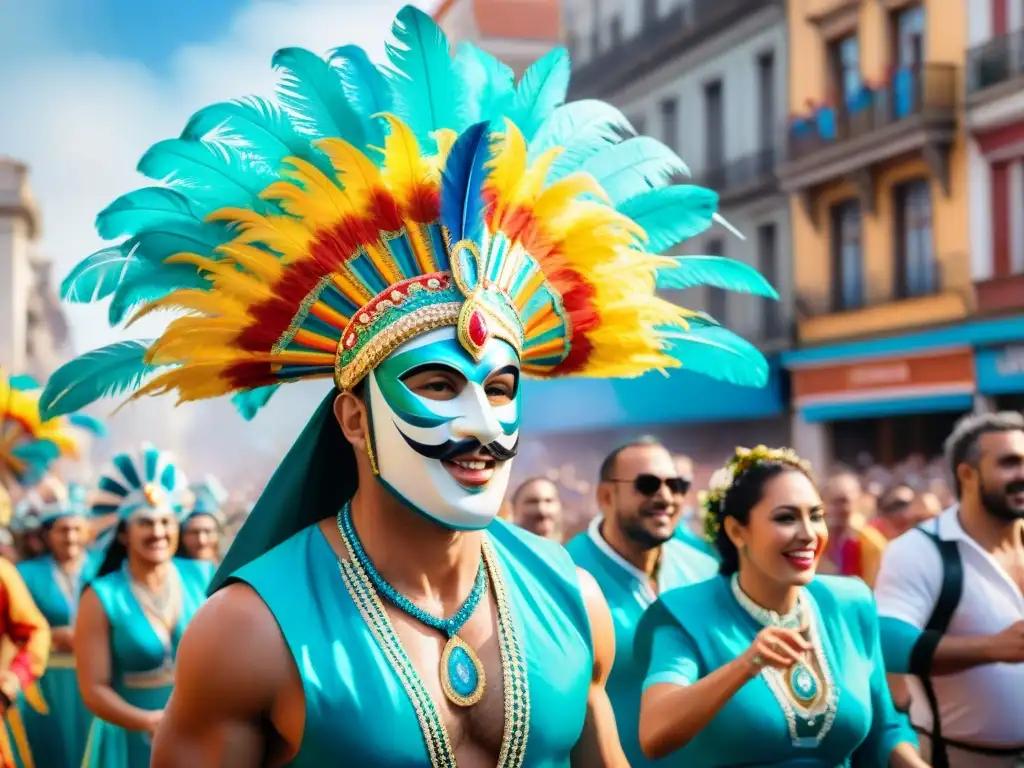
[790, 660]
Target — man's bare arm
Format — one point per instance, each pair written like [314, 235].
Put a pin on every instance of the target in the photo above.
[234, 677]
[599, 746]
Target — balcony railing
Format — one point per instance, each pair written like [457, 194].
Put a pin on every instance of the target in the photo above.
[913, 279]
[928, 90]
[743, 178]
[659, 39]
[998, 61]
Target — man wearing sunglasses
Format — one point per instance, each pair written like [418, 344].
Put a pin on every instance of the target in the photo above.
[633, 552]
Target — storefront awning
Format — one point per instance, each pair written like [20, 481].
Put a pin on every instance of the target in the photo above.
[682, 397]
[850, 410]
[978, 333]
[1000, 370]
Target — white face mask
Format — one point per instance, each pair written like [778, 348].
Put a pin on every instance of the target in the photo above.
[414, 437]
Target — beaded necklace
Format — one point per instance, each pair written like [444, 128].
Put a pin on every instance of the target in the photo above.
[809, 702]
[462, 674]
[366, 595]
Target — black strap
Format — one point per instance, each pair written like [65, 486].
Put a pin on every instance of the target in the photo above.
[924, 650]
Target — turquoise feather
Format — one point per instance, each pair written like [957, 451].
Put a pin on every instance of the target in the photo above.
[254, 128]
[633, 167]
[105, 372]
[716, 271]
[365, 87]
[249, 403]
[97, 276]
[37, 457]
[22, 382]
[489, 84]
[672, 214]
[423, 77]
[88, 423]
[583, 129]
[541, 91]
[151, 283]
[143, 208]
[214, 176]
[719, 353]
[314, 96]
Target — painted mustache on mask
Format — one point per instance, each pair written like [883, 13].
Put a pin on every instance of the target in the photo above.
[453, 449]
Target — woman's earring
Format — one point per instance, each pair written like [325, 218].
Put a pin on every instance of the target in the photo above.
[744, 551]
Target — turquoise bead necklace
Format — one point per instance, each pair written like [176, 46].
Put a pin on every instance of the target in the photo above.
[462, 674]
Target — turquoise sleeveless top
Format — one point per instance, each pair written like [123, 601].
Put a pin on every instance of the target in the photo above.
[58, 738]
[628, 594]
[142, 662]
[694, 630]
[357, 703]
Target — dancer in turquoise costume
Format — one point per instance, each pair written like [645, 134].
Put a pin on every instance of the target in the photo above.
[767, 665]
[55, 582]
[201, 529]
[132, 614]
[632, 553]
[425, 234]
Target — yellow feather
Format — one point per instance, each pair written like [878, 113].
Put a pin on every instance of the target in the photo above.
[359, 176]
[226, 277]
[506, 167]
[284, 234]
[532, 181]
[328, 191]
[558, 196]
[404, 166]
[255, 261]
[192, 300]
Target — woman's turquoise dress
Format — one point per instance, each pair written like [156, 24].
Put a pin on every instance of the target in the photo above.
[364, 699]
[694, 630]
[142, 660]
[57, 736]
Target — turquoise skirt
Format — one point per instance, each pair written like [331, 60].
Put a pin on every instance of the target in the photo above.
[58, 736]
[110, 745]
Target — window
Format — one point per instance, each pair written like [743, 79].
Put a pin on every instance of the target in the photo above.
[916, 273]
[766, 97]
[714, 127]
[717, 298]
[650, 11]
[847, 256]
[639, 124]
[844, 68]
[768, 261]
[670, 122]
[908, 36]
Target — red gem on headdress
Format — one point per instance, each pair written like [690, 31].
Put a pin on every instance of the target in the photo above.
[476, 328]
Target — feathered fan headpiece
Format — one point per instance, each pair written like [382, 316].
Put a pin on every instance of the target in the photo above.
[30, 443]
[311, 237]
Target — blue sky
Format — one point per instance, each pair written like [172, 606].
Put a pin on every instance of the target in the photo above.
[148, 32]
[86, 86]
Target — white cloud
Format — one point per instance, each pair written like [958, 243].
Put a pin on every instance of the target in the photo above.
[81, 122]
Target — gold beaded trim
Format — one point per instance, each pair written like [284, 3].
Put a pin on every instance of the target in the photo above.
[513, 665]
[406, 327]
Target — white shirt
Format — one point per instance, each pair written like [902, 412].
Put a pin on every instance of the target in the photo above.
[983, 705]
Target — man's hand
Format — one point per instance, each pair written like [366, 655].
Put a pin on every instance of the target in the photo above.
[1008, 646]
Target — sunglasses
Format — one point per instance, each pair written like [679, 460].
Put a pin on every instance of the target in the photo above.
[648, 485]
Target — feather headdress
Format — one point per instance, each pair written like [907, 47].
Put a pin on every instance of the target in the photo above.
[148, 479]
[311, 236]
[208, 497]
[29, 442]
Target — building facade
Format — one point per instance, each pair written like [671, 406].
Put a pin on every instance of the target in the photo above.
[517, 32]
[876, 170]
[995, 122]
[707, 78]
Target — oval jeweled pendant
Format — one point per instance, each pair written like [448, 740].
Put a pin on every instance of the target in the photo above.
[803, 683]
[462, 674]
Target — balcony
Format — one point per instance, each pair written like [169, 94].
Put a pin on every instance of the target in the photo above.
[660, 39]
[917, 297]
[915, 112]
[743, 180]
[995, 82]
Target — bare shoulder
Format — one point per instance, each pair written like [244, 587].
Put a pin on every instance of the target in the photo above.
[232, 634]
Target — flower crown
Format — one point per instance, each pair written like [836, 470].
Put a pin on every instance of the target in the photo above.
[741, 462]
